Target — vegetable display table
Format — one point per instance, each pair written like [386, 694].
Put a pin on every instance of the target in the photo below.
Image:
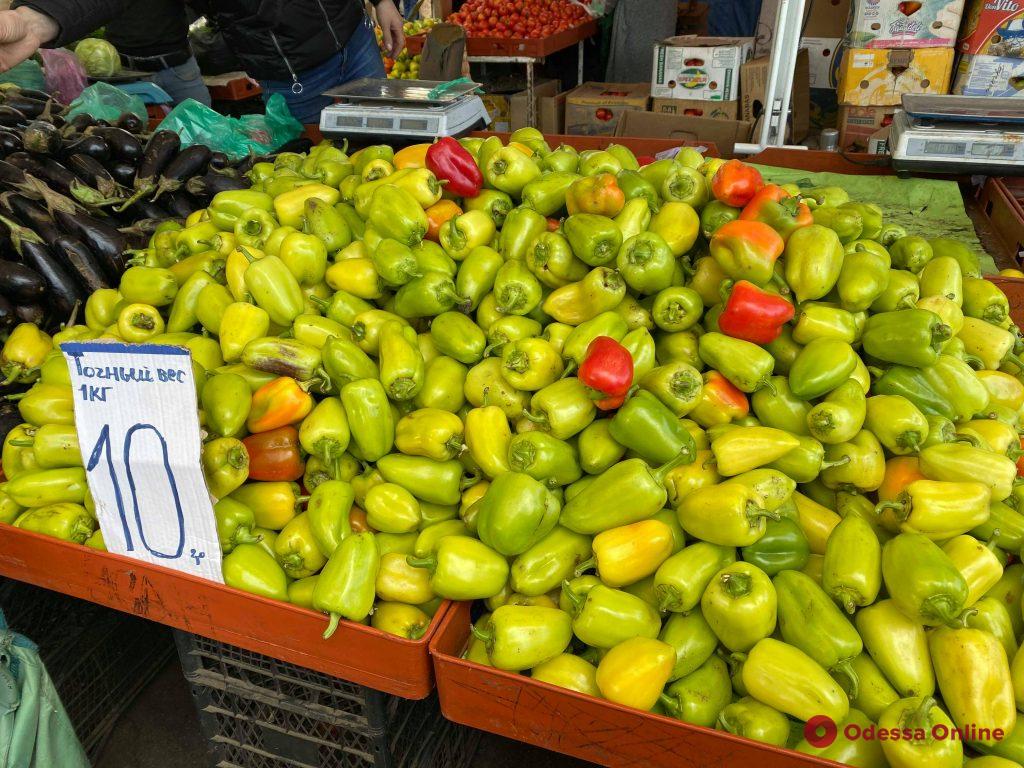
[357, 653]
[526, 51]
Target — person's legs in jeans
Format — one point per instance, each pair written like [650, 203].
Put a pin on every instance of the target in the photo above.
[183, 82]
[361, 57]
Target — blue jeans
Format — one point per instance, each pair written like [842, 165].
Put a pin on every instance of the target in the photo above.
[360, 58]
[183, 82]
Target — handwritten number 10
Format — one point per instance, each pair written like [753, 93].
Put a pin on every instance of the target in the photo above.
[102, 451]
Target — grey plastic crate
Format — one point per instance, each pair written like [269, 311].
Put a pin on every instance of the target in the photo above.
[259, 712]
[99, 659]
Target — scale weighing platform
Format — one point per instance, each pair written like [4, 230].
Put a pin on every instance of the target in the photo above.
[422, 109]
[958, 134]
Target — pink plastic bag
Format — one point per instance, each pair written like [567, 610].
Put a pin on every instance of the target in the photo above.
[65, 76]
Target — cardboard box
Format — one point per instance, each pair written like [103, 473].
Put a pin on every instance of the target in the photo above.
[550, 107]
[857, 125]
[904, 24]
[594, 109]
[823, 57]
[989, 76]
[497, 106]
[993, 27]
[716, 110]
[878, 142]
[754, 76]
[723, 133]
[822, 19]
[824, 108]
[706, 68]
[880, 77]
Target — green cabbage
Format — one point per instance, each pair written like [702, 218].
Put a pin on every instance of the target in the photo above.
[99, 57]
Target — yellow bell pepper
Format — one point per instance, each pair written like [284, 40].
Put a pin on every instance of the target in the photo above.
[974, 677]
[413, 156]
[815, 521]
[635, 671]
[977, 563]
[628, 553]
[290, 207]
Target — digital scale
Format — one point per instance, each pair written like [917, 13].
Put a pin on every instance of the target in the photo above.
[958, 134]
[421, 109]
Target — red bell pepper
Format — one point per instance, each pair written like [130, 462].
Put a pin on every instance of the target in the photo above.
[720, 401]
[607, 368]
[735, 183]
[451, 162]
[754, 315]
[275, 455]
[775, 207]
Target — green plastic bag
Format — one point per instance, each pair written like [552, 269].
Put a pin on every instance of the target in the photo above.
[35, 731]
[106, 102]
[196, 123]
[28, 74]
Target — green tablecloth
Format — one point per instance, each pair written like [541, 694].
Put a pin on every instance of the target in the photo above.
[926, 207]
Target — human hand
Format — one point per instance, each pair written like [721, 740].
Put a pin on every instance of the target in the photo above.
[22, 32]
[391, 22]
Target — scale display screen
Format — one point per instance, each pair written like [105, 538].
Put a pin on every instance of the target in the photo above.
[992, 150]
[947, 148]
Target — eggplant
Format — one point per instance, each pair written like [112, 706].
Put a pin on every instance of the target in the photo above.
[91, 172]
[146, 209]
[102, 239]
[131, 123]
[188, 163]
[56, 175]
[76, 256]
[41, 138]
[209, 185]
[81, 121]
[11, 116]
[123, 173]
[93, 146]
[123, 145]
[19, 283]
[28, 106]
[30, 313]
[8, 318]
[219, 161]
[64, 292]
[160, 150]
[32, 215]
[9, 143]
[11, 175]
[181, 203]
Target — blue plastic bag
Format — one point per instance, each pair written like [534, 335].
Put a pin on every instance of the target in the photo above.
[196, 123]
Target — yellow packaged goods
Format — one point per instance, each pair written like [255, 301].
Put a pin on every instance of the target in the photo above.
[879, 77]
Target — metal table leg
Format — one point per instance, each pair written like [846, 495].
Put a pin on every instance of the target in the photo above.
[579, 63]
[531, 96]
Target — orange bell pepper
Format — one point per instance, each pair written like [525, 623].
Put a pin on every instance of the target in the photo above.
[414, 156]
[357, 520]
[900, 471]
[774, 206]
[720, 401]
[278, 403]
[438, 214]
[598, 194]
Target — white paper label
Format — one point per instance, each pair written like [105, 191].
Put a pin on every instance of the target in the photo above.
[135, 412]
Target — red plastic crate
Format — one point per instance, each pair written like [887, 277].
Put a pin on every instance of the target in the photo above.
[236, 90]
[357, 653]
[532, 47]
[1001, 212]
[591, 729]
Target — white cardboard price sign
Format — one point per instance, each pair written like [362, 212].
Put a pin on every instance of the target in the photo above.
[135, 412]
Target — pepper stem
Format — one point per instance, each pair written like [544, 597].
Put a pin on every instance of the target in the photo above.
[902, 510]
[245, 536]
[940, 607]
[736, 584]
[429, 562]
[685, 456]
[920, 717]
[332, 625]
[541, 418]
[586, 565]
[668, 596]
[671, 705]
[836, 463]
[482, 635]
[573, 597]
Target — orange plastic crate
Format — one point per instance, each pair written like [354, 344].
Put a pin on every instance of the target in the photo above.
[592, 729]
[357, 653]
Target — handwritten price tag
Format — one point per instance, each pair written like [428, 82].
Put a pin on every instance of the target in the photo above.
[135, 412]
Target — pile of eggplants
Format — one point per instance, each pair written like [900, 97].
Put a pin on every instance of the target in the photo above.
[75, 195]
